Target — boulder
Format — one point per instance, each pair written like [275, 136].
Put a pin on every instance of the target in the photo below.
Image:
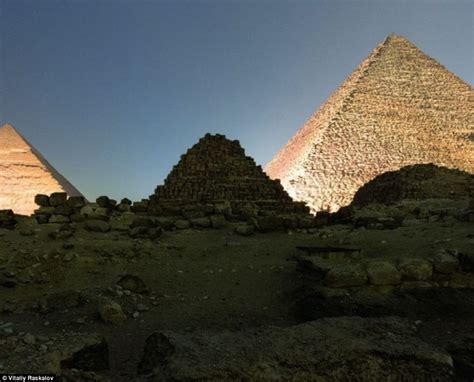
[346, 276]
[139, 207]
[59, 219]
[467, 262]
[305, 222]
[56, 301]
[132, 283]
[94, 212]
[45, 211]
[77, 218]
[57, 198]
[269, 223]
[7, 219]
[414, 269]
[143, 222]
[444, 262]
[42, 200]
[76, 202]
[42, 219]
[122, 207]
[89, 354]
[244, 229]
[383, 273]
[103, 201]
[182, 224]
[145, 233]
[97, 226]
[201, 222]
[64, 210]
[126, 201]
[218, 221]
[111, 311]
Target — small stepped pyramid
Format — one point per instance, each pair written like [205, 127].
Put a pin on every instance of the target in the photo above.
[399, 107]
[216, 170]
[24, 173]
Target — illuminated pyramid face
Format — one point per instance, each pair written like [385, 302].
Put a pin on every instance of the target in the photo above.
[24, 173]
[399, 107]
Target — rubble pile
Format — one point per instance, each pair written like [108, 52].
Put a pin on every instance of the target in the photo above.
[416, 182]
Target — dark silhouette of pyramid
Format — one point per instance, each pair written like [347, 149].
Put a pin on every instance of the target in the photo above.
[24, 173]
[398, 108]
[216, 169]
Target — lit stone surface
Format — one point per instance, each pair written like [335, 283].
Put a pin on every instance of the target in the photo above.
[399, 107]
[24, 173]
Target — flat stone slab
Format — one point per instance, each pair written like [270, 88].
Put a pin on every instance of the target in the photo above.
[332, 253]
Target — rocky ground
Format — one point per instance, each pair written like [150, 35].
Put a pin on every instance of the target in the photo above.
[210, 304]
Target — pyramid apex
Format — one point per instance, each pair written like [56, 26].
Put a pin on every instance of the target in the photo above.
[8, 130]
[396, 39]
[7, 126]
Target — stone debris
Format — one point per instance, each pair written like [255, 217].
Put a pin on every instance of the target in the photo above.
[7, 219]
[132, 283]
[383, 273]
[111, 311]
[442, 269]
[416, 182]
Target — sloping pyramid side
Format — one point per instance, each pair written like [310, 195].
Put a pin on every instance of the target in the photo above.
[24, 173]
[399, 107]
[215, 169]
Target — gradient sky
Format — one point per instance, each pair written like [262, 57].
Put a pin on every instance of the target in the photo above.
[113, 92]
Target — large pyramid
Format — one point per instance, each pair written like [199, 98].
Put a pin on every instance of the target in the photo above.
[25, 173]
[399, 107]
[216, 170]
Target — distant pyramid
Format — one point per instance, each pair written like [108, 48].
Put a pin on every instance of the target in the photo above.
[399, 107]
[215, 170]
[25, 173]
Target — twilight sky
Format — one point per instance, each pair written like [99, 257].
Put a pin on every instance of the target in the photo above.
[112, 92]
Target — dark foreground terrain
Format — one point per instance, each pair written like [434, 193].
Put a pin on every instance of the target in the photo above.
[210, 304]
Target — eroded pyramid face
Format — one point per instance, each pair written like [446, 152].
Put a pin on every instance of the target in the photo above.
[399, 107]
[24, 173]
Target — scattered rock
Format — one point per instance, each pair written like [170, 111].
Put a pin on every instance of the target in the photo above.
[200, 222]
[111, 311]
[346, 276]
[416, 269]
[182, 224]
[218, 221]
[98, 226]
[42, 200]
[90, 354]
[244, 229]
[132, 283]
[60, 301]
[383, 273]
[57, 198]
[444, 262]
